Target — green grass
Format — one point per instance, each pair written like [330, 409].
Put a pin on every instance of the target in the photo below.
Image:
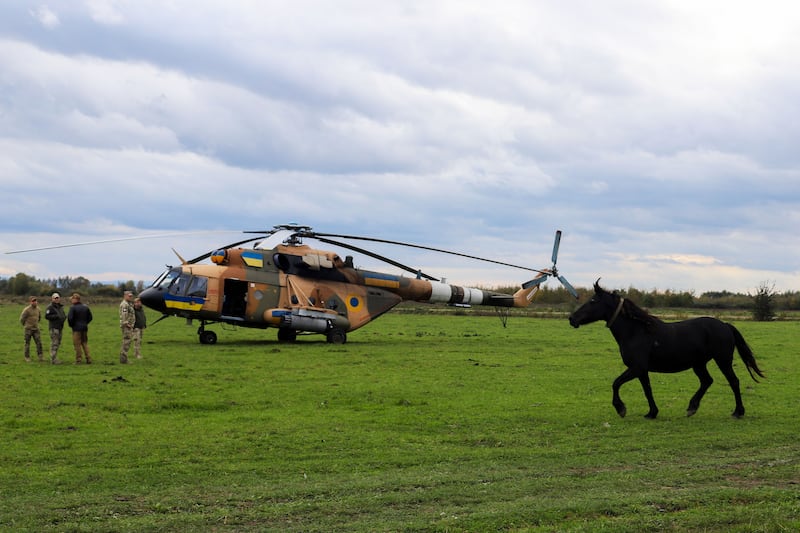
[419, 422]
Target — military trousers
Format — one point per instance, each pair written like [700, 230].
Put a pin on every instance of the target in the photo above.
[37, 339]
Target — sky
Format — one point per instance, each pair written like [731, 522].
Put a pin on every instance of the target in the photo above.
[661, 137]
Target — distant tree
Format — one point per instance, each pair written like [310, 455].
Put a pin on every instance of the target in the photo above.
[79, 284]
[22, 284]
[106, 289]
[129, 285]
[764, 302]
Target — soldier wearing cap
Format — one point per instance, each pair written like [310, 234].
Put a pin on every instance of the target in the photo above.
[56, 316]
[29, 318]
[127, 318]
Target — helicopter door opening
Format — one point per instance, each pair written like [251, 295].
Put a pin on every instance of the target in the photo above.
[234, 299]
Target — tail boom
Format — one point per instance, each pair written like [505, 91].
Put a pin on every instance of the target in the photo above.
[435, 292]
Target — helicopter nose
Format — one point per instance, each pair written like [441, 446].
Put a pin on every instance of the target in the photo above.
[154, 299]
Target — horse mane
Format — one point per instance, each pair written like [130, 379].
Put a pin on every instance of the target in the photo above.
[634, 312]
[631, 310]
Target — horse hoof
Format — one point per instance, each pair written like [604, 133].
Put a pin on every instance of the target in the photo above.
[737, 415]
[622, 412]
[691, 412]
[651, 416]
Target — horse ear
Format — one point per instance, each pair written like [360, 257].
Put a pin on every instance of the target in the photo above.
[597, 287]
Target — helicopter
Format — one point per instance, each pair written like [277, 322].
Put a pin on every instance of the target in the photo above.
[281, 282]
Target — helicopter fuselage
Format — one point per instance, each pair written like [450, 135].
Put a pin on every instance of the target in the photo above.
[298, 289]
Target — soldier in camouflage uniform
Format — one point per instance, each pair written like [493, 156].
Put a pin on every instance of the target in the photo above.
[29, 318]
[127, 318]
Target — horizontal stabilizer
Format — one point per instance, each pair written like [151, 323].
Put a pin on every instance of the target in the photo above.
[534, 282]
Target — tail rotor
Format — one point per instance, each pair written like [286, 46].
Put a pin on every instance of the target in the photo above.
[567, 285]
[553, 271]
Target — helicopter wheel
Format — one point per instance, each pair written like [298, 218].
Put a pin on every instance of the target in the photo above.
[337, 336]
[208, 337]
[287, 335]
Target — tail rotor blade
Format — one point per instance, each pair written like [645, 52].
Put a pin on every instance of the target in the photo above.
[568, 286]
[556, 245]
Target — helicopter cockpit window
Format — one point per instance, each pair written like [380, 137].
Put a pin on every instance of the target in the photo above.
[197, 287]
[166, 278]
[178, 286]
[188, 285]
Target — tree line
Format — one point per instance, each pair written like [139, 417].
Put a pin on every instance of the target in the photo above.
[24, 285]
[764, 302]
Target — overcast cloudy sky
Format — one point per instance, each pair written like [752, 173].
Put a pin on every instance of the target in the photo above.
[661, 137]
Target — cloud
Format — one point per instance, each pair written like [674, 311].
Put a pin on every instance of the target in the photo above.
[658, 136]
[45, 16]
[104, 12]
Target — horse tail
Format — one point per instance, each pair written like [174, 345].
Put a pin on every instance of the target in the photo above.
[746, 354]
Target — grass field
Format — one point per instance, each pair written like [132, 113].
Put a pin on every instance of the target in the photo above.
[418, 423]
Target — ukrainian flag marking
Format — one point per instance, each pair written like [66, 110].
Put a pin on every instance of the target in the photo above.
[253, 259]
[184, 303]
[376, 279]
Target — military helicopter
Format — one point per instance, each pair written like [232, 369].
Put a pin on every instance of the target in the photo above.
[281, 282]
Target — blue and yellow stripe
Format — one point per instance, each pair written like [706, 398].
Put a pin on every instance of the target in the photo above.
[184, 303]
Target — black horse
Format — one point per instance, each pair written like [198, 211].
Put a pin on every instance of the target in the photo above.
[647, 344]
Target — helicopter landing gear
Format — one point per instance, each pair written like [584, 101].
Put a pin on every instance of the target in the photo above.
[287, 335]
[206, 336]
[336, 336]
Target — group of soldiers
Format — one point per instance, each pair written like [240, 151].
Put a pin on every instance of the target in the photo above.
[132, 320]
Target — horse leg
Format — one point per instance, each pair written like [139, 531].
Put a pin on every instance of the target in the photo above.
[644, 379]
[733, 381]
[616, 401]
[705, 382]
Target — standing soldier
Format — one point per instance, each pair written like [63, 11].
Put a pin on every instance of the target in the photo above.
[127, 318]
[78, 318]
[138, 327]
[56, 316]
[29, 318]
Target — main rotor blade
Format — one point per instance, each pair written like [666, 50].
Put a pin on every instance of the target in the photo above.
[379, 257]
[119, 239]
[439, 250]
[556, 245]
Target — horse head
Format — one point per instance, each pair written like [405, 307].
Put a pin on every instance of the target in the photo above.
[601, 306]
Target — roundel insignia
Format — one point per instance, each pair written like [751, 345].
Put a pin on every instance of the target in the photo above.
[354, 302]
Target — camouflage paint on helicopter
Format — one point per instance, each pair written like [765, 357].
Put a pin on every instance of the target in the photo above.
[295, 288]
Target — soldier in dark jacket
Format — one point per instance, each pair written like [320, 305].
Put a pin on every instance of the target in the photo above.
[56, 317]
[138, 327]
[79, 317]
